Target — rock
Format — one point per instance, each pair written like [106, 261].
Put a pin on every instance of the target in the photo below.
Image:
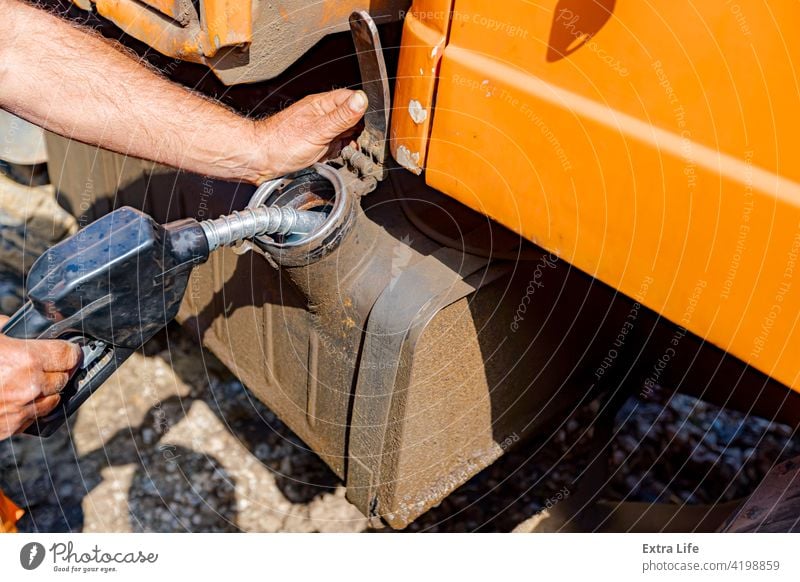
[31, 221]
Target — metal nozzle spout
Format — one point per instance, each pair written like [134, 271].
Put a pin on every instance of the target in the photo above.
[262, 220]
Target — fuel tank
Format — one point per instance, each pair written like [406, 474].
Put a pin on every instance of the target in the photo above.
[417, 341]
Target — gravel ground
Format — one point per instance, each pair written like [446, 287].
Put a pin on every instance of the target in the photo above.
[173, 442]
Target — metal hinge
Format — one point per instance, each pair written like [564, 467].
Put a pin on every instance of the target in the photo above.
[367, 158]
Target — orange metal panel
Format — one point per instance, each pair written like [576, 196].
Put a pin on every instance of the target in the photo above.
[165, 36]
[651, 145]
[9, 515]
[173, 8]
[424, 35]
[224, 23]
[227, 23]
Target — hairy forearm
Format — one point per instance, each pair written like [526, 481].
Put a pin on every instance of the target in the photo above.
[75, 84]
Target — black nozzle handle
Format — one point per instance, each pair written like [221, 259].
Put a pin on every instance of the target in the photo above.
[26, 323]
[82, 385]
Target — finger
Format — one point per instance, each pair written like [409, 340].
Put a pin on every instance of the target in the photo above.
[27, 386]
[58, 355]
[42, 406]
[54, 382]
[24, 426]
[341, 113]
[330, 100]
[3, 320]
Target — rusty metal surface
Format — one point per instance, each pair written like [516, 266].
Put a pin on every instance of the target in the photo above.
[284, 30]
[365, 159]
[375, 83]
[178, 30]
[178, 10]
[241, 41]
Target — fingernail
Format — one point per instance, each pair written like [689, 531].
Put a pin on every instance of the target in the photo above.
[357, 102]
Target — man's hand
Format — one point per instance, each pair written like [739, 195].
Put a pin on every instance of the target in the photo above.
[32, 373]
[126, 108]
[306, 132]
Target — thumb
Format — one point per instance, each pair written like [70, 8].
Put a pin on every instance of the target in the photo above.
[344, 115]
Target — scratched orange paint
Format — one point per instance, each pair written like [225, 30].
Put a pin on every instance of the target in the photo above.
[652, 146]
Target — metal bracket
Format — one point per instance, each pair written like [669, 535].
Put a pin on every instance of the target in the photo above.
[368, 158]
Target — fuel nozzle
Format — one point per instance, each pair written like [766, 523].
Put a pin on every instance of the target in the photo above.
[115, 284]
[296, 219]
[262, 220]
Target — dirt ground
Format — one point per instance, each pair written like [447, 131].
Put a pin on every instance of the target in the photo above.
[173, 442]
